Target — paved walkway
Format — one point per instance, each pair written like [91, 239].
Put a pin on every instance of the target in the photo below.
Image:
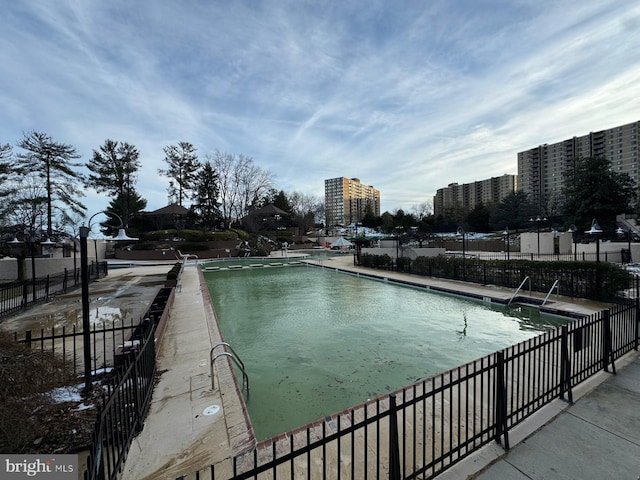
[179, 437]
[596, 438]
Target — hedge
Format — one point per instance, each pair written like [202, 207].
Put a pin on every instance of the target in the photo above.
[600, 281]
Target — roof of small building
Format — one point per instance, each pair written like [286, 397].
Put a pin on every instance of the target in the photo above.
[269, 210]
[172, 209]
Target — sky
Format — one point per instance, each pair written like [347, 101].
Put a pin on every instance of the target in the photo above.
[406, 95]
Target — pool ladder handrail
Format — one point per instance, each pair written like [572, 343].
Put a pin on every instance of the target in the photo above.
[520, 287]
[236, 359]
[557, 288]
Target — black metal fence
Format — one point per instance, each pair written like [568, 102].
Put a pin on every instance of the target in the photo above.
[618, 256]
[122, 410]
[21, 294]
[422, 430]
[67, 343]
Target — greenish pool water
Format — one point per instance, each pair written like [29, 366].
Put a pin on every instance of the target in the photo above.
[315, 341]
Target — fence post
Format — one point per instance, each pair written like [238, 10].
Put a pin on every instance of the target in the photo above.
[47, 286]
[606, 342]
[635, 325]
[27, 339]
[394, 444]
[133, 356]
[565, 365]
[500, 400]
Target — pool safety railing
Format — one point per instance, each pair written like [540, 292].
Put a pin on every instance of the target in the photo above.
[519, 288]
[184, 257]
[557, 289]
[236, 359]
[424, 429]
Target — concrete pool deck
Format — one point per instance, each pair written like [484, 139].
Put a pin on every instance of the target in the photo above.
[178, 438]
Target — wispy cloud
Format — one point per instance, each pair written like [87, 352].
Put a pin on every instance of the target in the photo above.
[407, 96]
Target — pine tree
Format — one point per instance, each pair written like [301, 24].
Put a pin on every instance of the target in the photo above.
[113, 170]
[593, 190]
[206, 207]
[183, 168]
[52, 163]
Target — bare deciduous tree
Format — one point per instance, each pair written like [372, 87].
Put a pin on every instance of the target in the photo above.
[241, 183]
[422, 210]
[306, 209]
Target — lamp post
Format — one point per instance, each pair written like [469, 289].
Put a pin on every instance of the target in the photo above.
[397, 230]
[506, 239]
[573, 230]
[595, 230]
[461, 231]
[84, 278]
[626, 232]
[356, 255]
[30, 242]
[538, 221]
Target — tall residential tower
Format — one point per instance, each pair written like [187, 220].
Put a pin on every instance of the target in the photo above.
[541, 169]
[469, 195]
[347, 201]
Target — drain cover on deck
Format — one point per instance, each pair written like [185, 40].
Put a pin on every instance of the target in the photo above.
[211, 410]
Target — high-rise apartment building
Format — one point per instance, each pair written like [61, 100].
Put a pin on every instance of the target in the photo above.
[347, 200]
[541, 169]
[469, 195]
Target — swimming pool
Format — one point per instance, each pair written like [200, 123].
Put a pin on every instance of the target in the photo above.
[315, 341]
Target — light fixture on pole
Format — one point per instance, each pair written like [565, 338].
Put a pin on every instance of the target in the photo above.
[595, 230]
[86, 323]
[506, 239]
[538, 221]
[30, 243]
[573, 230]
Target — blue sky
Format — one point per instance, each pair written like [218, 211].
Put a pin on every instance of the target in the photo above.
[408, 96]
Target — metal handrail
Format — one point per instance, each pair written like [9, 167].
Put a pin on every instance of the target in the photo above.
[236, 359]
[184, 257]
[555, 285]
[518, 289]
